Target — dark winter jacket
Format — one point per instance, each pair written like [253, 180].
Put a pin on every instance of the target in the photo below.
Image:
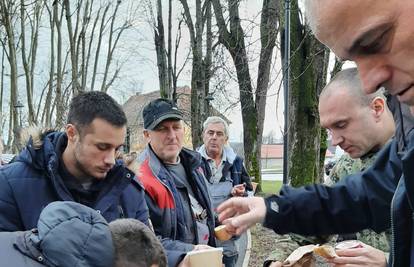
[233, 166]
[33, 181]
[233, 173]
[163, 201]
[68, 234]
[378, 198]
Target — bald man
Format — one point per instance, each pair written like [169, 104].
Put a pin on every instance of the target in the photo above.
[361, 125]
[377, 35]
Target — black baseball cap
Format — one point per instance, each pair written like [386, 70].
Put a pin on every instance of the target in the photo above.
[159, 110]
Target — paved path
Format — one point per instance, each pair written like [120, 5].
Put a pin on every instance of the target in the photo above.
[243, 245]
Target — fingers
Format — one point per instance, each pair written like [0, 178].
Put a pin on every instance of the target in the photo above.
[228, 204]
[226, 213]
[229, 208]
[238, 191]
[347, 260]
[239, 224]
[276, 264]
[352, 252]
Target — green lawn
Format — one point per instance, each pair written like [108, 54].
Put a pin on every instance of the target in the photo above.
[271, 187]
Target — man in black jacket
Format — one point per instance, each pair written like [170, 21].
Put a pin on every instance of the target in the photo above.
[377, 35]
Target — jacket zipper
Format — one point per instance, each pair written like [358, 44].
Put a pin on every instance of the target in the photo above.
[393, 226]
[175, 205]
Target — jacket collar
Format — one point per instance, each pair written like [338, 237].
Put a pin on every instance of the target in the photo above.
[228, 152]
[188, 157]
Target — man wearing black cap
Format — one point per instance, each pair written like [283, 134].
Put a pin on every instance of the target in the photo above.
[174, 182]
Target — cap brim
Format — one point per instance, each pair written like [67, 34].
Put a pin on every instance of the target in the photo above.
[163, 118]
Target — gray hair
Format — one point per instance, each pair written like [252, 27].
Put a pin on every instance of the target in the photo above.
[136, 245]
[349, 80]
[216, 119]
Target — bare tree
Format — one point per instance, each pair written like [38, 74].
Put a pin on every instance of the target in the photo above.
[85, 24]
[8, 11]
[201, 64]
[159, 40]
[308, 68]
[29, 61]
[252, 103]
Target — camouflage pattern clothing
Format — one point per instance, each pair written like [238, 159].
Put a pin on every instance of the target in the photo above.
[347, 165]
[344, 167]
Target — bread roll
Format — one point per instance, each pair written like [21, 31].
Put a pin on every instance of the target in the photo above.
[221, 233]
[325, 251]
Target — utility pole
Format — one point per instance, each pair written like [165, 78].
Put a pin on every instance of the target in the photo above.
[286, 83]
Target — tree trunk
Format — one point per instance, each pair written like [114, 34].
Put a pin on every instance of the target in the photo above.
[308, 76]
[159, 41]
[198, 73]
[268, 36]
[72, 42]
[252, 111]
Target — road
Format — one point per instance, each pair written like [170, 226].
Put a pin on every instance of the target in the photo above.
[269, 176]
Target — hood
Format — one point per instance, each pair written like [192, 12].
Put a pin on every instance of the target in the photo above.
[229, 152]
[72, 235]
[40, 147]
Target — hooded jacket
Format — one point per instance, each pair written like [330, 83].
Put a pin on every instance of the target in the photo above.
[68, 234]
[378, 198]
[163, 201]
[233, 166]
[33, 181]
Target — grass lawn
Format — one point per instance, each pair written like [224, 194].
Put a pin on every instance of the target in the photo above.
[271, 187]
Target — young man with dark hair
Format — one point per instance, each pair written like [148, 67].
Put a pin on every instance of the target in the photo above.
[76, 165]
[136, 245]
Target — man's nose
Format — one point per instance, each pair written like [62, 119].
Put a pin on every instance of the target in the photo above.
[336, 139]
[110, 158]
[373, 72]
[171, 133]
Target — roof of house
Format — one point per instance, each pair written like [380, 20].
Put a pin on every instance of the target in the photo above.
[135, 104]
[276, 151]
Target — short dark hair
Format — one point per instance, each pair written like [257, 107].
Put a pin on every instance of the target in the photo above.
[136, 245]
[87, 106]
[348, 80]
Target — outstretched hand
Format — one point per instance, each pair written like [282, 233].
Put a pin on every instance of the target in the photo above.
[239, 214]
[361, 256]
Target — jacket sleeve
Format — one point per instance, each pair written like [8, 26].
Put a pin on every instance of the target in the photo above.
[176, 250]
[142, 213]
[356, 202]
[9, 216]
[245, 178]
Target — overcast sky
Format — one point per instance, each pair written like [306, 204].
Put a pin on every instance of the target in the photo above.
[140, 72]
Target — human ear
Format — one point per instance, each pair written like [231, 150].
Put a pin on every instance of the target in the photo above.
[146, 135]
[71, 132]
[378, 106]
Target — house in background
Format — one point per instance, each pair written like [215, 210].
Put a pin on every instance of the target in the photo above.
[135, 104]
[272, 156]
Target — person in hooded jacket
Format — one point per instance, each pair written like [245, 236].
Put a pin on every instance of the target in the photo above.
[75, 165]
[71, 234]
[67, 234]
[225, 173]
